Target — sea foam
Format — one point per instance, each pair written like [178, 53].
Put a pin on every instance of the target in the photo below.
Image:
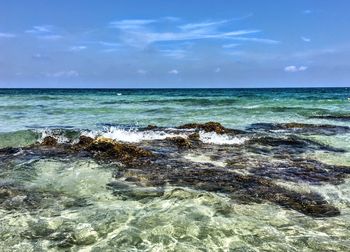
[131, 135]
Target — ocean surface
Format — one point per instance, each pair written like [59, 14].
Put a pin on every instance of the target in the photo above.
[56, 202]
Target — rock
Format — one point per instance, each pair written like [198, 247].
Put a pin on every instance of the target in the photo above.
[194, 136]
[105, 148]
[344, 118]
[9, 151]
[210, 127]
[49, 141]
[180, 142]
[151, 127]
[85, 141]
[84, 234]
[325, 129]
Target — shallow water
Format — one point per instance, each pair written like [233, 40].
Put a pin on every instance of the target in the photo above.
[74, 208]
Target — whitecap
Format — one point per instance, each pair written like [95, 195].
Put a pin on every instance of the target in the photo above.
[49, 132]
[213, 138]
[131, 135]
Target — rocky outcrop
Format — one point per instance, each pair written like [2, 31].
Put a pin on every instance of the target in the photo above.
[49, 141]
[210, 127]
[180, 142]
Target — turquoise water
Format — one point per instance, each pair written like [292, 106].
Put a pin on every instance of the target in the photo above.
[22, 109]
[78, 203]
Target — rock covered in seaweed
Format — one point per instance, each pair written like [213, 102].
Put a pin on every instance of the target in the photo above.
[344, 118]
[246, 177]
[49, 141]
[210, 127]
[106, 148]
[180, 142]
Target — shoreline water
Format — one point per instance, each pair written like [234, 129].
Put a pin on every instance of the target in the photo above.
[271, 176]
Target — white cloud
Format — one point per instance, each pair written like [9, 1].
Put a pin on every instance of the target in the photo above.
[141, 32]
[77, 48]
[232, 45]
[109, 44]
[294, 69]
[7, 35]
[259, 40]
[39, 56]
[63, 74]
[195, 26]
[174, 53]
[307, 12]
[40, 29]
[130, 23]
[50, 37]
[142, 71]
[303, 68]
[44, 32]
[305, 39]
[174, 71]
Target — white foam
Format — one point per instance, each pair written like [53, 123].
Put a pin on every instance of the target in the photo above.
[48, 132]
[213, 138]
[131, 135]
[203, 159]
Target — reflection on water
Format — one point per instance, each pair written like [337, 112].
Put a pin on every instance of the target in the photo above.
[85, 214]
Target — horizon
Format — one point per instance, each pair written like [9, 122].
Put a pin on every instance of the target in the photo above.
[182, 44]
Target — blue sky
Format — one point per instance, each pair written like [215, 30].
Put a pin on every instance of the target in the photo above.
[163, 43]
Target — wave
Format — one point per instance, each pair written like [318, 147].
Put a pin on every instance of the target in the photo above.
[213, 138]
[132, 135]
[136, 135]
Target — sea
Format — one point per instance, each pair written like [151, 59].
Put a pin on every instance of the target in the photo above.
[296, 139]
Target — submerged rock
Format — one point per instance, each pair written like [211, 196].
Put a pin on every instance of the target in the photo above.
[325, 129]
[245, 188]
[9, 151]
[344, 118]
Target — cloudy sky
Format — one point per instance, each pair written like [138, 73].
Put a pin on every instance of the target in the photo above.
[179, 43]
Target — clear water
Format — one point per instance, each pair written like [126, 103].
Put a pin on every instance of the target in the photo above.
[81, 205]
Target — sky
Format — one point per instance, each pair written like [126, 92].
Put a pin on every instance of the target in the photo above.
[173, 44]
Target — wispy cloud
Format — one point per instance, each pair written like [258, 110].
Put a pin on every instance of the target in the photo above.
[231, 45]
[77, 48]
[195, 26]
[7, 35]
[294, 69]
[307, 12]
[174, 53]
[63, 74]
[174, 71]
[305, 39]
[50, 37]
[130, 23]
[259, 40]
[39, 29]
[143, 32]
[39, 56]
[47, 32]
[110, 44]
[142, 71]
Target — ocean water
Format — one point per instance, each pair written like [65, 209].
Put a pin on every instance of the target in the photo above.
[79, 210]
